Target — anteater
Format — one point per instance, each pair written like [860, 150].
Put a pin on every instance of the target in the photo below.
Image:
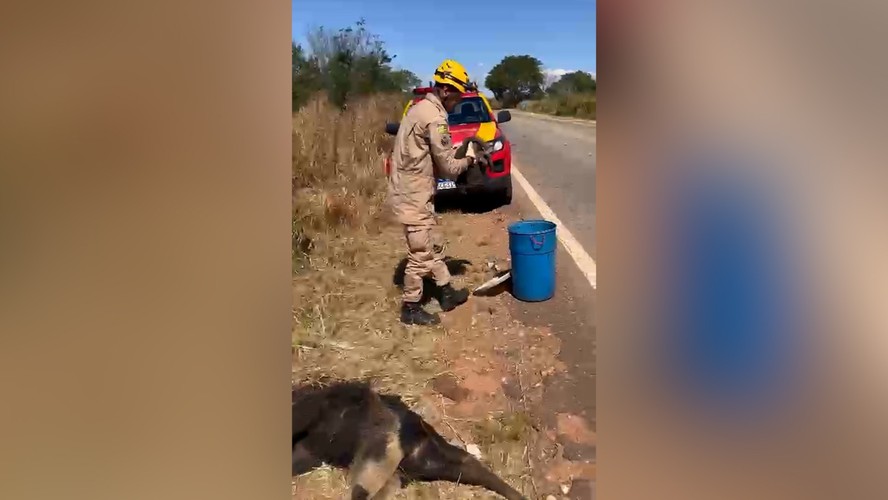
[383, 444]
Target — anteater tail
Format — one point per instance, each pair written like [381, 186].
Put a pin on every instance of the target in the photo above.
[466, 469]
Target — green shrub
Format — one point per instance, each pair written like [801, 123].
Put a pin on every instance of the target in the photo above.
[346, 65]
[575, 105]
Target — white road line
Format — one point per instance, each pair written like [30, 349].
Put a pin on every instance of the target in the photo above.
[573, 247]
[541, 116]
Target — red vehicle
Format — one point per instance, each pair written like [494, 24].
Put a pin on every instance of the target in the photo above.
[473, 116]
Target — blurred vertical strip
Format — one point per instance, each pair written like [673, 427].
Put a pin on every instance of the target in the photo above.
[145, 264]
[730, 338]
[741, 257]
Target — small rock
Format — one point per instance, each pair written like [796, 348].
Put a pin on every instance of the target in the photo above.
[551, 497]
[448, 386]
[565, 488]
[473, 450]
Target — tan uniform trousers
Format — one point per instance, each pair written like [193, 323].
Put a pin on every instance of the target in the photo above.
[425, 257]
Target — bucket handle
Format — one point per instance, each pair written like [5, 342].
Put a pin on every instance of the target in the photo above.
[537, 244]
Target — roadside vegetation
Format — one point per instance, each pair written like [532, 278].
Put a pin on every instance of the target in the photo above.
[345, 64]
[519, 81]
[573, 94]
[344, 90]
[576, 105]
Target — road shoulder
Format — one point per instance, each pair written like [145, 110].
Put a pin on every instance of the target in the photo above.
[549, 348]
[568, 404]
[563, 119]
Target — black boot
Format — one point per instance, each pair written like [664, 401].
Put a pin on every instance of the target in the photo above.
[449, 297]
[413, 314]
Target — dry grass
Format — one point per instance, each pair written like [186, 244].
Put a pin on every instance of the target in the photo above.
[577, 105]
[338, 183]
[345, 248]
[342, 148]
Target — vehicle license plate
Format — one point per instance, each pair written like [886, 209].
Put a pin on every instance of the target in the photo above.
[446, 185]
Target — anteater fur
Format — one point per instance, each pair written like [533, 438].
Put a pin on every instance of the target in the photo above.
[381, 442]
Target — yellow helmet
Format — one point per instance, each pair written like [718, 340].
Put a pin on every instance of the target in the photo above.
[452, 73]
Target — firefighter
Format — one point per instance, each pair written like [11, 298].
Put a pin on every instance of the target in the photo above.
[422, 153]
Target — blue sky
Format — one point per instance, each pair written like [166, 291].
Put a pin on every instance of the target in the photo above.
[560, 33]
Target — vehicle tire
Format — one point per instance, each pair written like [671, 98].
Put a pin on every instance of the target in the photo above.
[506, 195]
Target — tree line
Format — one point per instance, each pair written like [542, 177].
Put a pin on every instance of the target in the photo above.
[346, 63]
[352, 62]
[521, 78]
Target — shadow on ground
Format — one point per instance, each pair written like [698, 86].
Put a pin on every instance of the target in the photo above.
[466, 204]
[456, 267]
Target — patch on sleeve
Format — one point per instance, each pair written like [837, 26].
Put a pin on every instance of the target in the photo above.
[445, 134]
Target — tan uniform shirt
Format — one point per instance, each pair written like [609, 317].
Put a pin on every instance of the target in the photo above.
[423, 151]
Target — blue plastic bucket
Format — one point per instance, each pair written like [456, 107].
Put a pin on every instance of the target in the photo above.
[532, 244]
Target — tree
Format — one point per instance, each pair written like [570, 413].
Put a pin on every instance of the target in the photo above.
[573, 83]
[515, 79]
[307, 77]
[346, 63]
[405, 80]
[353, 61]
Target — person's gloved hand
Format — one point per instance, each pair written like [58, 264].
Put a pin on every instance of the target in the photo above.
[464, 147]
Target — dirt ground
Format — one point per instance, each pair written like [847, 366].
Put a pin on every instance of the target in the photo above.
[493, 375]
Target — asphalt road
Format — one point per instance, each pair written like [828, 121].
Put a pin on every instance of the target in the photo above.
[557, 156]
